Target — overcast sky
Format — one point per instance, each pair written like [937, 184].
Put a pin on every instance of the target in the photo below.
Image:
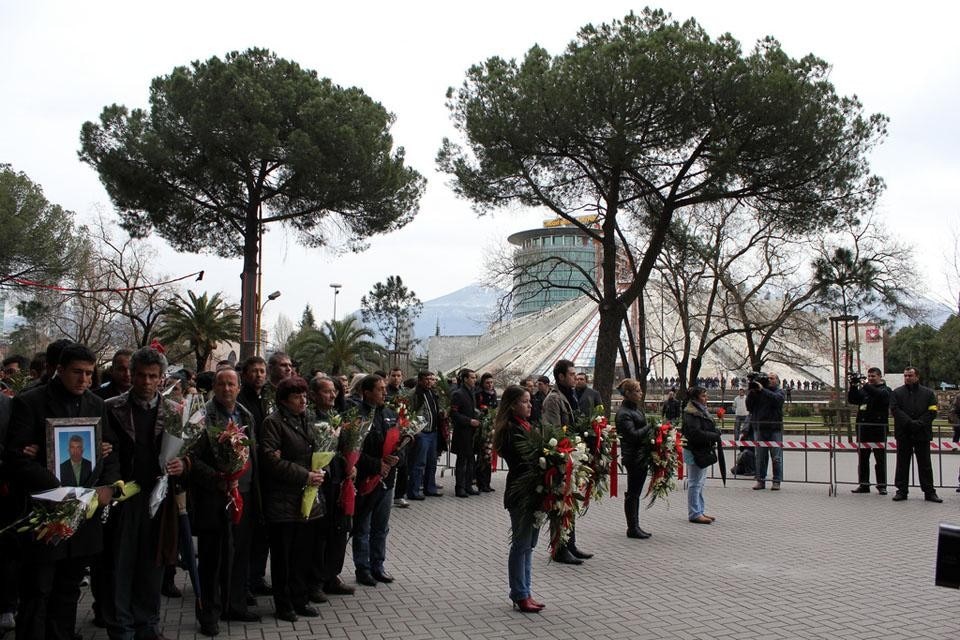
[62, 62]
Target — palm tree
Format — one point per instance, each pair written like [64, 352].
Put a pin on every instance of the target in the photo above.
[201, 323]
[337, 347]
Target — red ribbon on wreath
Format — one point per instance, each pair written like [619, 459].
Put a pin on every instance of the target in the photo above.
[235, 504]
[614, 470]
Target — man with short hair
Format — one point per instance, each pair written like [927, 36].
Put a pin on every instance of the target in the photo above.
[588, 398]
[671, 407]
[257, 397]
[914, 408]
[423, 467]
[280, 367]
[463, 415]
[765, 401]
[223, 547]
[872, 415]
[76, 470]
[132, 609]
[119, 376]
[394, 386]
[536, 399]
[378, 461]
[50, 575]
[559, 411]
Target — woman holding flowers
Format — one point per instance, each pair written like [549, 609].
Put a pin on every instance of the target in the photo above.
[286, 452]
[510, 425]
[633, 431]
[699, 452]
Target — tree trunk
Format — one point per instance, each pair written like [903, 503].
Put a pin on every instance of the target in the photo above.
[248, 286]
[608, 342]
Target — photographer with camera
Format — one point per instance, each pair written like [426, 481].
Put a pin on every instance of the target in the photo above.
[765, 403]
[873, 396]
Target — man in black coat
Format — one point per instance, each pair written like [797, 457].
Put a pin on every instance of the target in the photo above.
[50, 576]
[223, 548]
[463, 415]
[671, 407]
[872, 416]
[258, 397]
[377, 467]
[588, 398]
[119, 376]
[914, 407]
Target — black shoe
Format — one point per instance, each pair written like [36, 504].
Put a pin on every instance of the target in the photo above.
[288, 616]
[861, 489]
[420, 497]
[306, 611]
[212, 629]
[933, 497]
[382, 576]
[251, 601]
[637, 534]
[365, 578]
[899, 495]
[261, 588]
[583, 555]
[317, 596]
[488, 489]
[240, 616]
[338, 588]
[462, 494]
[170, 590]
[564, 556]
[435, 494]
[473, 492]
[882, 491]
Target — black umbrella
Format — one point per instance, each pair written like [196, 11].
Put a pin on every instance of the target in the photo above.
[188, 554]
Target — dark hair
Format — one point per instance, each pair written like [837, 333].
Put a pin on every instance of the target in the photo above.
[423, 375]
[54, 349]
[561, 368]
[39, 362]
[694, 392]
[875, 370]
[121, 353]
[76, 352]
[463, 373]
[21, 361]
[381, 373]
[252, 360]
[146, 357]
[400, 369]
[910, 367]
[485, 377]
[543, 379]
[369, 381]
[289, 386]
[276, 357]
[505, 410]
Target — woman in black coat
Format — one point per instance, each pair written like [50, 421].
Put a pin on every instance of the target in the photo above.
[633, 430]
[286, 449]
[699, 452]
[510, 424]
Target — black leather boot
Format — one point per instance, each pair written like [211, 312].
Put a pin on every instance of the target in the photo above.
[631, 508]
[572, 547]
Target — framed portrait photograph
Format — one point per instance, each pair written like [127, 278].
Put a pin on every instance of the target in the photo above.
[73, 449]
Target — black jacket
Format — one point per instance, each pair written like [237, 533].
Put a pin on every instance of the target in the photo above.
[701, 435]
[633, 430]
[462, 411]
[29, 413]
[766, 411]
[671, 409]
[874, 411]
[588, 399]
[517, 466]
[208, 510]
[285, 450]
[914, 408]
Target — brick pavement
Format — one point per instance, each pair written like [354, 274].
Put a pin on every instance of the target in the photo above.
[793, 564]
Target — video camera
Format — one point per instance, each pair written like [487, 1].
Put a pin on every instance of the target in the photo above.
[758, 380]
[856, 378]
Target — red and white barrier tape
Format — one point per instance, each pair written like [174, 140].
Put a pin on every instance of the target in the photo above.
[936, 445]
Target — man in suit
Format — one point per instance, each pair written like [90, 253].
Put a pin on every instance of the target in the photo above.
[463, 414]
[76, 470]
[50, 575]
[587, 397]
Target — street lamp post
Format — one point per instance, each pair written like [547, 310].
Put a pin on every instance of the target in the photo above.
[272, 296]
[336, 291]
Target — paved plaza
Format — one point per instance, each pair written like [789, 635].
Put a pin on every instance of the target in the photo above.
[793, 564]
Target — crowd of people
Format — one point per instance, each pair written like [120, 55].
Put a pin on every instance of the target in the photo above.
[257, 514]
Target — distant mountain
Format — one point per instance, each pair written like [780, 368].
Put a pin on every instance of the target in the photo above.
[465, 312]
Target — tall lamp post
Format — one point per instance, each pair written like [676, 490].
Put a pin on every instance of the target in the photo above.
[272, 296]
[336, 291]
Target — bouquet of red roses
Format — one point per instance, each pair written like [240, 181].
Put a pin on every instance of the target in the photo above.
[353, 430]
[231, 453]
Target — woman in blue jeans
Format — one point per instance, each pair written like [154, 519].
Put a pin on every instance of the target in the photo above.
[510, 424]
[699, 452]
